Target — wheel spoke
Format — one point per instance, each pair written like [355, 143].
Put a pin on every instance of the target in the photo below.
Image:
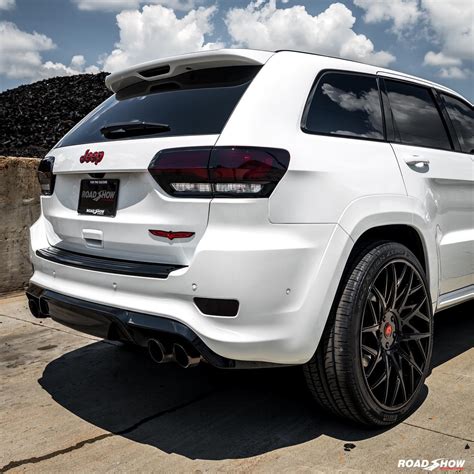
[371, 329]
[422, 316]
[392, 297]
[405, 293]
[398, 368]
[381, 299]
[379, 381]
[415, 311]
[388, 370]
[402, 276]
[375, 363]
[369, 350]
[421, 348]
[395, 392]
[372, 310]
[386, 291]
[409, 359]
[415, 337]
[415, 289]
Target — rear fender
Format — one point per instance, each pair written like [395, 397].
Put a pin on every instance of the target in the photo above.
[381, 210]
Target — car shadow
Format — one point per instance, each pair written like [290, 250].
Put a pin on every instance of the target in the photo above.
[204, 413]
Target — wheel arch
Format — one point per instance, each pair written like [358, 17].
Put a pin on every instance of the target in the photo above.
[399, 219]
[404, 234]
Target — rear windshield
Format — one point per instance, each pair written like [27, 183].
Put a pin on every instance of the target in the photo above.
[194, 103]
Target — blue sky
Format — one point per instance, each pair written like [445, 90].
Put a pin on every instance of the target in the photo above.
[43, 38]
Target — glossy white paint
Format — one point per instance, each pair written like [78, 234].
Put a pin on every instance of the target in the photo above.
[445, 189]
[185, 62]
[254, 250]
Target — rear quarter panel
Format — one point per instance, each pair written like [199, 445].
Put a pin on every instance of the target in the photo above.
[326, 173]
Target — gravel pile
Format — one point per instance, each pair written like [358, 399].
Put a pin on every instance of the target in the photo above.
[35, 116]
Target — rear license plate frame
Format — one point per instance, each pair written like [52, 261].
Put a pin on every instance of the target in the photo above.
[98, 197]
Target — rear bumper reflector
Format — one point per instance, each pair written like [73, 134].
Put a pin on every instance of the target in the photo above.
[107, 265]
[217, 307]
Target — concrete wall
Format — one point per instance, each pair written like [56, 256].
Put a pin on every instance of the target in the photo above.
[19, 208]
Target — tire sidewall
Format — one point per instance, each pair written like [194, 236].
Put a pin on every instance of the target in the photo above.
[383, 255]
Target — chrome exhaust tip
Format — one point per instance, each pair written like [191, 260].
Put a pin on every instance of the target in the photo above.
[43, 307]
[158, 352]
[183, 358]
[33, 304]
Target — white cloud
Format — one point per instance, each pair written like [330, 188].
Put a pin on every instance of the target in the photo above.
[453, 22]
[20, 56]
[454, 72]
[119, 5]
[7, 4]
[450, 22]
[262, 25]
[440, 59]
[156, 32]
[403, 13]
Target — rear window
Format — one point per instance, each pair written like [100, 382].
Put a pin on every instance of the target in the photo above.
[347, 105]
[194, 103]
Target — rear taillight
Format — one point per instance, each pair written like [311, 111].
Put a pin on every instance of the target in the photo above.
[219, 172]
[46, 177]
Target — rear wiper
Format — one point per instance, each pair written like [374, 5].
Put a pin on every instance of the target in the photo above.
[132, 129]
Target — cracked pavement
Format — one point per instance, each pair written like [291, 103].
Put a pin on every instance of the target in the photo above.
[70, 402]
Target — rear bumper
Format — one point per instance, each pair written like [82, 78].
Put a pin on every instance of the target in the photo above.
[284, 277]
[107, 265]
[112, 323]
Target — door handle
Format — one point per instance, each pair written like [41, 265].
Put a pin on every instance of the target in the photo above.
[418, 163]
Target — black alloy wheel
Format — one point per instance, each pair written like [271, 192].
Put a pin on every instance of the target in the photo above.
[395, 334]
[375, 352]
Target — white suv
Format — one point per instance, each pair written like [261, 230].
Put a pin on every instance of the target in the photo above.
[255, 209]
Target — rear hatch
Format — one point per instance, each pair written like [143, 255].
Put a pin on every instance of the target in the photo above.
[105, 201]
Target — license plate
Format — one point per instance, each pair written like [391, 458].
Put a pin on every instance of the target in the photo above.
[98, 197]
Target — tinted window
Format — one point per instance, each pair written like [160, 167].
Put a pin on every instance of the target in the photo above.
[193, 103]
[346, 104]
[416, 117]
[462, 117]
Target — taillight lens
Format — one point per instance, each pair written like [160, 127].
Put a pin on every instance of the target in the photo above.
[219, 172]
[46, 177]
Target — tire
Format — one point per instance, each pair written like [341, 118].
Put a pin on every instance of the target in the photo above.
[381, 323]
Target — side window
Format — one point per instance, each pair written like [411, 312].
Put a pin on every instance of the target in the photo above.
[346, 105]
[462, 117]
[416, 117]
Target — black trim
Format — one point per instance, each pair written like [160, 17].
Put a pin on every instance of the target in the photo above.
[155, 71]
[109, 322]
[107, 265]
[390, 129]
[217, 307]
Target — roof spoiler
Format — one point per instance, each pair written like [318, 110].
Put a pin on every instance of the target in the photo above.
[169, 67]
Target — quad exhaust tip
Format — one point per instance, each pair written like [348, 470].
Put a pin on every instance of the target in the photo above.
[158, 352]
[33, 304]
[183, 358]
[39, 307]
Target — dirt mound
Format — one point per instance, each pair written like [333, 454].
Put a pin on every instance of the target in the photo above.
[34, 117]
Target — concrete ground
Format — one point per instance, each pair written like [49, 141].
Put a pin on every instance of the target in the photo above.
[71, 403]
